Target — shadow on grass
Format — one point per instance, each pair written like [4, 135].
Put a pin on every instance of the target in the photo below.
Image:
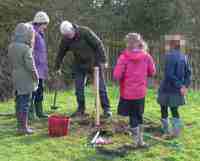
[120, 151]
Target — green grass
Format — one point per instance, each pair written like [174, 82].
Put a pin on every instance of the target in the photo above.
[76, 147]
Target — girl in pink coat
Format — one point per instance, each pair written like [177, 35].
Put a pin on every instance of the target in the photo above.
[133, 68]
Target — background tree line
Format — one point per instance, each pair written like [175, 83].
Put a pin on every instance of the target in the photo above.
[152, 18]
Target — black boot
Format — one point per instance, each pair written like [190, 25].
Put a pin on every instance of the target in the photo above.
[107, 114]
[79, 113]
[39, 110]
[32, 112]
[81, 108]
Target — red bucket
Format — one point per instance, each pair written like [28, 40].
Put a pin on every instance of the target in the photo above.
[58, 125]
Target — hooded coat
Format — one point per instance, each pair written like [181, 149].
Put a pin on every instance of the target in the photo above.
[132, 70]
[177, 72]
[21, 59]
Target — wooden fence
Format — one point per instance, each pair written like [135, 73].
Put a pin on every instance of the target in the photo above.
[114, 44]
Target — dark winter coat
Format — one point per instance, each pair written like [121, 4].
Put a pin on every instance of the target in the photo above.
[87, 48]
[177, 72]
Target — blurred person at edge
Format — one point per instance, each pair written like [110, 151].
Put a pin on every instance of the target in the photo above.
[173, 87]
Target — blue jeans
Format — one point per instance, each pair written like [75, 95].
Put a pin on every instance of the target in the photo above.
[80, 77]
[37, 95]
[23, 103]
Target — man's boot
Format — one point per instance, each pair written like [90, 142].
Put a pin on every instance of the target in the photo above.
[107, 114]
[106, 105]
[79, 112]
[81, 109]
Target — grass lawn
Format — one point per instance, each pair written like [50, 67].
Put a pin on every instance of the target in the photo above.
[76, 147]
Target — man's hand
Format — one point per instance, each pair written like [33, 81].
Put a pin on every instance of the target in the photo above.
[183, 90]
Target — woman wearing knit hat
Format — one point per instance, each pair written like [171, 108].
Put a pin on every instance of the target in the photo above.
[40, 23]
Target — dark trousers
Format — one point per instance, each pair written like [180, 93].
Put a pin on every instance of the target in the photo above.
[132, 108]
[164, 112]
[136, 114]
[79, 90]
[37, 95]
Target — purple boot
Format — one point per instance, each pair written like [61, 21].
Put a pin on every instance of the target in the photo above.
[24, 129]
[18, 119]
[176, 127]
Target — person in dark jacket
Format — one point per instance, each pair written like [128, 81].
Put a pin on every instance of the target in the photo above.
[173, 88]
[88, 52]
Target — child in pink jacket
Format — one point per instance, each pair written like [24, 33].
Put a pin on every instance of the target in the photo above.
[133, 67]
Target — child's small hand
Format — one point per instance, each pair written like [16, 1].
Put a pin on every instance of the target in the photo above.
[183, 90]
[35, 75]
[155, 84]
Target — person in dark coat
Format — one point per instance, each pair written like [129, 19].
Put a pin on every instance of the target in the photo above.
[173, 88]
[88, 52]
